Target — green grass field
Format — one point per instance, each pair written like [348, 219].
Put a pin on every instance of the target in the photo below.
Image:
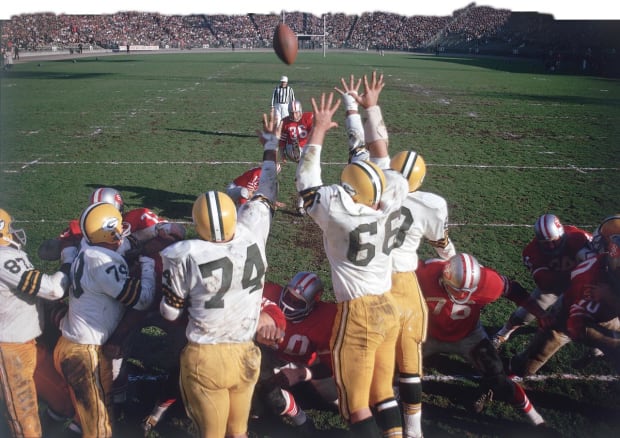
[503, 141]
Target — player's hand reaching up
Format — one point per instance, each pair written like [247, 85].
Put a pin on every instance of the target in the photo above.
[324, 112]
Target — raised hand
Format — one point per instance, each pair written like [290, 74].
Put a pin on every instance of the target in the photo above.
[323, 117]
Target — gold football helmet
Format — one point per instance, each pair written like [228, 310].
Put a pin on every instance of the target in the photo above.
[215, 216]
[412, 166]
[364, 181]
[10, 236]
[102, 223]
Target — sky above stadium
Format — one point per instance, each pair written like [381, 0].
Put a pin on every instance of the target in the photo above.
[561, 10]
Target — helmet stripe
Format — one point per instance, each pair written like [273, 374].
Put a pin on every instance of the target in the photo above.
[96, 196]
[409, 164]
[215, 215]
[88, 210]
[375, 180]
[468, 278]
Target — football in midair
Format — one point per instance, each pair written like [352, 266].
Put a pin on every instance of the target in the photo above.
[285, 43]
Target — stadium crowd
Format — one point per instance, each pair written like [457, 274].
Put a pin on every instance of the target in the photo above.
[478, 29]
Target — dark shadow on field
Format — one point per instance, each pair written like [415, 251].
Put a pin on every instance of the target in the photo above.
[447, 413]
[170, 205]
[512, 65]
[42, 74]
[216, 133]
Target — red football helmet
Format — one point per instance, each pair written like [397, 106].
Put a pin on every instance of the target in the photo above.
[460, 277]
[299, 296]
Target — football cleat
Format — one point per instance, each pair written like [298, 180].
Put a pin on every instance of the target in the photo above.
[498, 341]
[483, 401]
[412, 166]
[215, 216]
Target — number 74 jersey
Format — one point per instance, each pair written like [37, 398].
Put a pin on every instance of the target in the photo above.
[220, 284]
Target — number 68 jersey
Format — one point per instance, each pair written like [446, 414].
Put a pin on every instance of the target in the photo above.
[220, 284]
[358, 239]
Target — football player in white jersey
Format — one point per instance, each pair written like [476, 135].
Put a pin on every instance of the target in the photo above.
[21, 321]
[101, 290]
[360, 218]
[219, 279]
[425, 216]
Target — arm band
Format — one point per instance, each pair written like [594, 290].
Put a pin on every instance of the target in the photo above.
[374, 128]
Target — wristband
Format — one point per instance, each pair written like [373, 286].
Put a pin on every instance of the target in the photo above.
[374, 128]
[271, 141]
[355, 131]
[350, 104]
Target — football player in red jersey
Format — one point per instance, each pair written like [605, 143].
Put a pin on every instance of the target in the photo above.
[242, 188]
[594, 294]
[550, 256]
[294, 131]
[456, 290]
[303, 354]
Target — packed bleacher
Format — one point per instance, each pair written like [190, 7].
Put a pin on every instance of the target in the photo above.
[472, 29]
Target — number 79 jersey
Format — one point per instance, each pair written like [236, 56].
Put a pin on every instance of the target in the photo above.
[220, 284]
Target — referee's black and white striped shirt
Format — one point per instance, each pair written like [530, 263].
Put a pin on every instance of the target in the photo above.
[282, 95]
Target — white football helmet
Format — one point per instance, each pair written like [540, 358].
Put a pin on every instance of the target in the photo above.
[109, 195]
[10, 236]
[549, 233]
[460, 277]
[299, 296]
[295, 110]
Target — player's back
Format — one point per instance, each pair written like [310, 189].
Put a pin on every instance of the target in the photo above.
[223, 283]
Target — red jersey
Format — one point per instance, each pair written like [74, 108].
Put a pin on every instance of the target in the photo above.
[139, 219]
[305, 341]
[296, 130]
[583, 310]
[249, 179]
[451, 322]
[552, 272]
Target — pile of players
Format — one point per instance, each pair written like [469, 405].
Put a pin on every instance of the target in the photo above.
[245, 344]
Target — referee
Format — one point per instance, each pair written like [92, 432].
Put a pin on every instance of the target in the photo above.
[282, 95]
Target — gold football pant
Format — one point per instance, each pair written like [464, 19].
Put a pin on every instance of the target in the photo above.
[19, 394]
[89, 376]
[217, 383]
[413, 322]
[363, 344]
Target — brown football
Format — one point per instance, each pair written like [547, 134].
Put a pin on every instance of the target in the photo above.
[285, 43]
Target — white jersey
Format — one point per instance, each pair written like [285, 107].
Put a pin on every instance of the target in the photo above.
[425, 215]
[358, 239]
[100, 291]
[220, 283]
[20, 319]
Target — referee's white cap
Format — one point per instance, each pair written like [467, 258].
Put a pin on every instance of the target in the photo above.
[284, 79]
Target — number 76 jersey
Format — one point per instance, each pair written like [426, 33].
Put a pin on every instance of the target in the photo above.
[220, 284]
